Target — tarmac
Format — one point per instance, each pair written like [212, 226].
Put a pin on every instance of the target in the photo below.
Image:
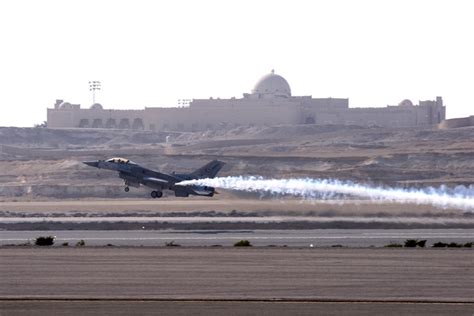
[236, 281]
[354, 238]
[140, 307]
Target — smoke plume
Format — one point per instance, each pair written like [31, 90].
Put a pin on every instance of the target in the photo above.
[458, 197]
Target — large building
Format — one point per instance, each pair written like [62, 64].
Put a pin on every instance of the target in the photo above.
[269, 103]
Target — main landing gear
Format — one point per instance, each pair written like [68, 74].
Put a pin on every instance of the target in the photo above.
[156, 194]
[126, 189]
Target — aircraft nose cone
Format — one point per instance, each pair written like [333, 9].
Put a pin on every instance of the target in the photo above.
[94, 163]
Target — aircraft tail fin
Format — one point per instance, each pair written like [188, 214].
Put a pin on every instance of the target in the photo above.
[209, 170]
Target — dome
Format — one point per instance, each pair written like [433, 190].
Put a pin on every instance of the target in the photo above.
[405, 102]
[273, 84]
[97, 106]
[65, 105]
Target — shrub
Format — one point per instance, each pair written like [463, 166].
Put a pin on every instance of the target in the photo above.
[468, 244]
[172, 244]
[45, 241]
[81, 243]
[421, 243]
[440, 244]
[411, 243]
[65, 244]
[454, 245]
[393, 245]
[242, 243]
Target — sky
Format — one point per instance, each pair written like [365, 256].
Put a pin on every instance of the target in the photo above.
[153, 53]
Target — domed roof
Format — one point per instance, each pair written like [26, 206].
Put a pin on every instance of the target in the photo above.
[272, 84]
[65, 105]
[405, 102]
[97, 106]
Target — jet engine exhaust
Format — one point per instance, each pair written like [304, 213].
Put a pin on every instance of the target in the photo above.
[461, 197]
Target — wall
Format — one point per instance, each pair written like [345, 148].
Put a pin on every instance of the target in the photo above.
[216, 113]
[457, 122]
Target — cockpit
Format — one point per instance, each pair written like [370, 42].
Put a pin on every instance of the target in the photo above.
[121, 161]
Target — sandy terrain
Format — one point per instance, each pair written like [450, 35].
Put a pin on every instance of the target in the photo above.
[229, 273]
[41, 176]
[364, 281]
[205, 308]
[225, 205]
[43, 163]
[199, 213]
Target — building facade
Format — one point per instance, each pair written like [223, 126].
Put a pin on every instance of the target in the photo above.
[269, 103]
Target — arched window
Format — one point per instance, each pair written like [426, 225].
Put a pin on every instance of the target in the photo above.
[84, 123]
[97, 123]
[124, 124]
[111, 123]
[138, 124]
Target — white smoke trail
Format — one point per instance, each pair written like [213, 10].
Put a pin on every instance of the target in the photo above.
[459, 197]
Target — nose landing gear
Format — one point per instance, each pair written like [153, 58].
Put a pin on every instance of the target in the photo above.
[126, 189]
[156, 194]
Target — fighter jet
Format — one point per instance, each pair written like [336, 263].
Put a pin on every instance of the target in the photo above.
[135, 175]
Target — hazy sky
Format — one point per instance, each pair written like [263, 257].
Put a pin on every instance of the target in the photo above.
[152, 53]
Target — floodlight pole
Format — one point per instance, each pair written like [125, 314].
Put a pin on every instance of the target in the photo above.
[94, 86]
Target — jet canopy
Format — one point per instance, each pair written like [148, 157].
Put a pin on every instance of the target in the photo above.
[121, 161]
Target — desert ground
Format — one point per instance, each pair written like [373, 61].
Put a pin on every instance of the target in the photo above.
[236, 281]
[43, 164]
[143, 307]
[42, 172]
[42, 178]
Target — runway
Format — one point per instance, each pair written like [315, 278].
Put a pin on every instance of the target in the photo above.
[232, 308]
[126, 267]
[237, 281]
[198, 238]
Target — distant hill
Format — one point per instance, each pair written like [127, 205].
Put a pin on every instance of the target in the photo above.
[41, 162]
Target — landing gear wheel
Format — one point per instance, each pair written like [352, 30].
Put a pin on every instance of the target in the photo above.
[156, 194]
[126, 189]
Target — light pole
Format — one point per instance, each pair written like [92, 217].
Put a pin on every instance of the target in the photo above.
[94, 86]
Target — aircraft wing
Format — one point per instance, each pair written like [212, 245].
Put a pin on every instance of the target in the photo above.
[155, 180]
